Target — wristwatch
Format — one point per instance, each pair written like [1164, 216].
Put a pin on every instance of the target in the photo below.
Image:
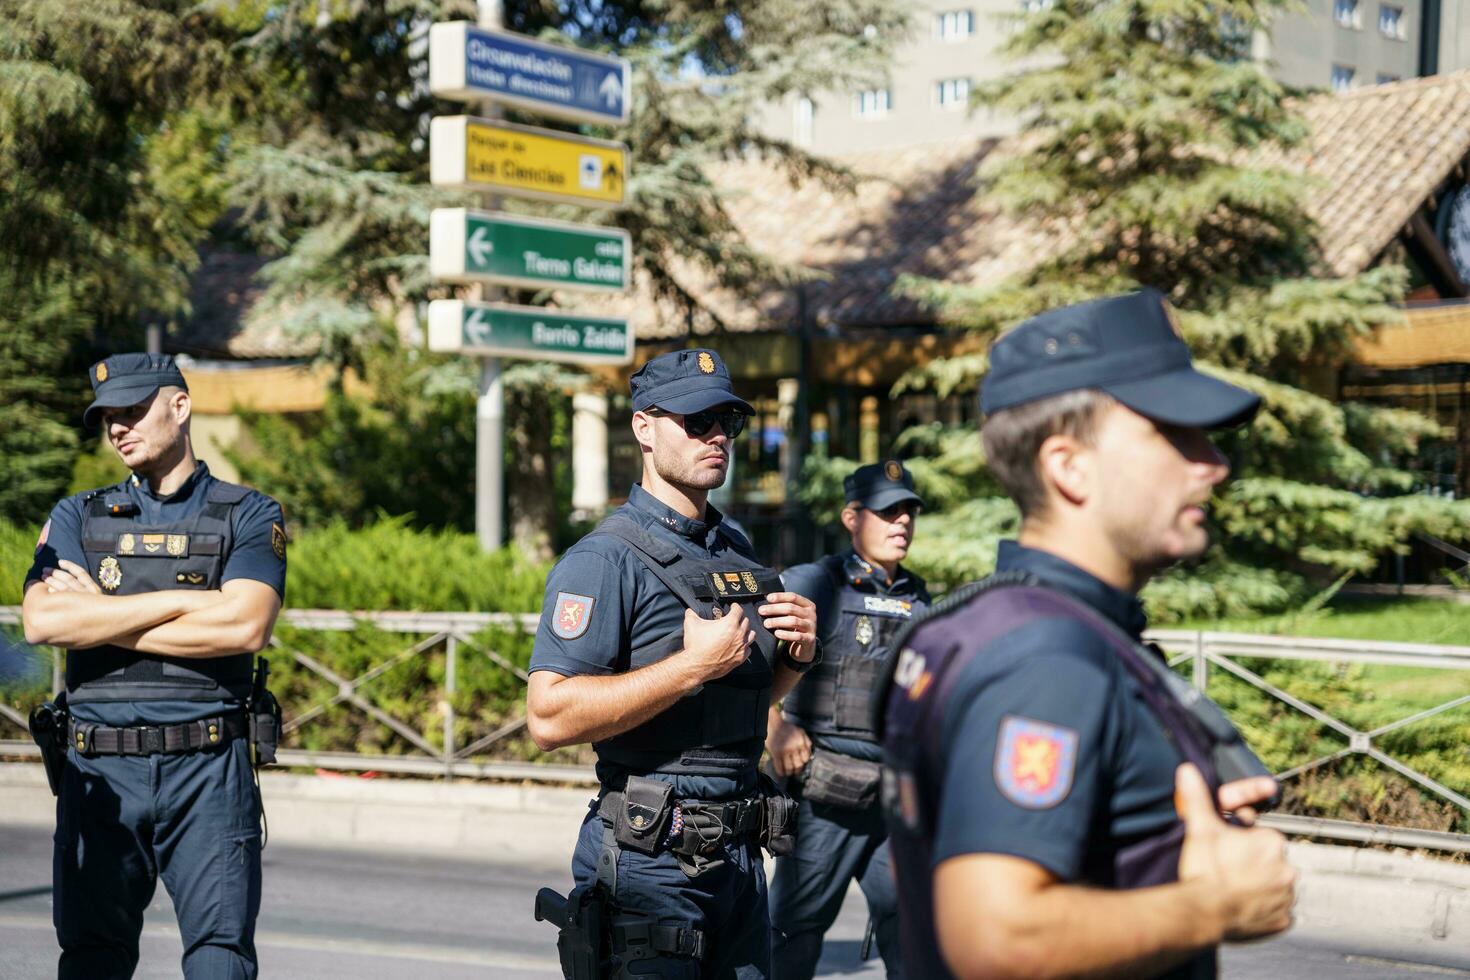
[783, 653]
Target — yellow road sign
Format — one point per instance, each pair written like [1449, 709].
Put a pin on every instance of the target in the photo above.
[484, 154]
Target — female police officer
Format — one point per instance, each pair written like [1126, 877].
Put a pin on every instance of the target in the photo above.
[1039, 826]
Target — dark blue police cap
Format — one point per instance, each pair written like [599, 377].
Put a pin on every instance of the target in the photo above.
[126, 379]
[880, 485]
[683, 382]
[1127, 346]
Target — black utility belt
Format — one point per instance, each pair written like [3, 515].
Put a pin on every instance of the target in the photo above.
[91, 740]
[644, 817]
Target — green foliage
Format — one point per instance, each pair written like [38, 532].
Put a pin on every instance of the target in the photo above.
[389, 565]
[1145, 136]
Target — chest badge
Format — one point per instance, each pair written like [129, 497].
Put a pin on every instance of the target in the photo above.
[127, 544]
[750, 583]
[177, 545]
[863, 633]
[109, 574]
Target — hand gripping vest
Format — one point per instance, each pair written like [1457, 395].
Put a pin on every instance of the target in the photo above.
[916, 686]
[720, 728]
[837, 696]
[128, 557]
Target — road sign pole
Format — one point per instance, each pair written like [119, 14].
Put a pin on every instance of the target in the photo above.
[490, 406]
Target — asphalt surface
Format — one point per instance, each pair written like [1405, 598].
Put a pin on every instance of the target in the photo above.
[359, 915]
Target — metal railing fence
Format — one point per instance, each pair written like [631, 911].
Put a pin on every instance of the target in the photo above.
[455, 636]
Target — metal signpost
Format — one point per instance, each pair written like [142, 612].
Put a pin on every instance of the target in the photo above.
[480, 246]
[491, 67]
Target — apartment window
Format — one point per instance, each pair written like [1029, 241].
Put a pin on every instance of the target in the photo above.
[952, 93]
[1346, 13]
[1391, 21]
[1385, 79]
[954, 25]
[805, 112]
[1342, 78]
[872, 104]
[1035, 6]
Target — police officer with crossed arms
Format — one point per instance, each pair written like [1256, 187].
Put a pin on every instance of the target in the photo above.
[1054, 790]
[662, 642]
[821, 738]
[161, 588]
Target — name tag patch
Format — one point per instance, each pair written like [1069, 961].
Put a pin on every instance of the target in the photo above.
[169, 545]
[888, 606]
[735, 585]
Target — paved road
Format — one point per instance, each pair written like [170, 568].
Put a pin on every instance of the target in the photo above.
[353, 915]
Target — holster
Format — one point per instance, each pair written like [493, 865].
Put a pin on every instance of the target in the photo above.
[581, 920]
[778, 820]
[835, 779]
[265, 717]
[48, 729]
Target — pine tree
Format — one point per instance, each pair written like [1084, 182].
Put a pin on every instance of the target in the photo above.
[1145, 153]
[330, 158]
[102, 200]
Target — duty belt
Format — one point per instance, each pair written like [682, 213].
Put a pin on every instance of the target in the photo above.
[737, 817]
[191, 736]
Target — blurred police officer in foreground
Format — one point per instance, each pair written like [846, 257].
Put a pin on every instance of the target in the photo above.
[662, 642]
[1042, 822]
[821, 737]
[161, 588]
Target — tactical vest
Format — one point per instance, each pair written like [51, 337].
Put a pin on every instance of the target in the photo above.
[129, 557]
[914, 693]
[720, 728]
[836, 697]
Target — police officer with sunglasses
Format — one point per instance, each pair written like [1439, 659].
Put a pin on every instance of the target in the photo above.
[663, 641]
[821, 738]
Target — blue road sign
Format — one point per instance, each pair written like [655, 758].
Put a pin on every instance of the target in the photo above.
[472, 64]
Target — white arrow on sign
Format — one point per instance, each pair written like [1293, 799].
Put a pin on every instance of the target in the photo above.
[480, 245]
[477, 329]
[612, 89]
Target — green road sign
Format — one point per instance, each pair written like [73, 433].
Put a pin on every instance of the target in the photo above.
[531, 332]
[483, 246]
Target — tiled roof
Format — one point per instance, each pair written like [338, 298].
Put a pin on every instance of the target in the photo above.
[222, 291]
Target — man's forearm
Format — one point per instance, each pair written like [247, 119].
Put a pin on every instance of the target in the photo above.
[784, 681]
[79, 620]
[1074, 931]
[225, 628]
[588, 708]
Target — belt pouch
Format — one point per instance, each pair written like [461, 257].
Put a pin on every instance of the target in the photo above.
[840, 780]
[642, 819]
[700, 838]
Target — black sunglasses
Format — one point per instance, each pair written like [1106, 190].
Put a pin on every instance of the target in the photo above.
[732, 421]
[891, 512]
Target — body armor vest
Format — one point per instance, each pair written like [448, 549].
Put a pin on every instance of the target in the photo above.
[914, 692]
[836, 696]
[128, 557]
[720, 728]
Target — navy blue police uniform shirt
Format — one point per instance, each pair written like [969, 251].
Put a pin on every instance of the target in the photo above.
[813, 581]
[1048, 753]
[251, 557]
[626, 608]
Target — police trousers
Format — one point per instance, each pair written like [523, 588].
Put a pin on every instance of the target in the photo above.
[122, 822]
[727, 903]
[834, 845]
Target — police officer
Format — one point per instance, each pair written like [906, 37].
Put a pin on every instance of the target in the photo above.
[160, 588]
[821, 736]
[662, 642]
[1042, 822]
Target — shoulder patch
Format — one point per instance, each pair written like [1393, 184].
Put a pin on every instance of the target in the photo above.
[45, 533]
[278, 540]
[1035, 762]
[573, 614]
